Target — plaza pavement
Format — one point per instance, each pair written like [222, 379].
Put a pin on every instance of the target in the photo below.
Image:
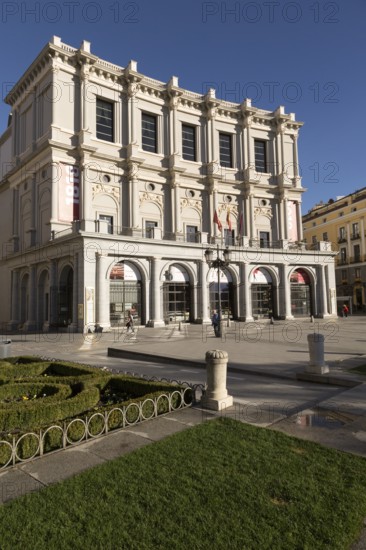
[276, 352]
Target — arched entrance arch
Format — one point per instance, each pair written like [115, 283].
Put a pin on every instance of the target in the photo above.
[43, 299]
[125, 293]
[177, 295]
[65, 291]
[262, 293]
[301, 293]
[226, 290]
[24, 299]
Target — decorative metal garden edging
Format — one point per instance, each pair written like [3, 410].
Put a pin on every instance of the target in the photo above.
[140, 414]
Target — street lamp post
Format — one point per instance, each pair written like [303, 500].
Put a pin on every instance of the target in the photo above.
[218, 264]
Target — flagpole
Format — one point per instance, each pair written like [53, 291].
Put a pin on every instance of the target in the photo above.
[219, 284]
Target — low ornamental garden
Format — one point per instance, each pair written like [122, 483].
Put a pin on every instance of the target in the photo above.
[39, 398]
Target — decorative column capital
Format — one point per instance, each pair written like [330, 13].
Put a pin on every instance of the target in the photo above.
[132, 88]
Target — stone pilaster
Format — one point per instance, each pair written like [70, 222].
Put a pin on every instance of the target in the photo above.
[102, 305]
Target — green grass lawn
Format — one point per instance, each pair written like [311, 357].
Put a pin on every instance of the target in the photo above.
[220, 485]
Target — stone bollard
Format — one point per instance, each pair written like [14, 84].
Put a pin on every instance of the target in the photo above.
[216, 396]
[316, 352]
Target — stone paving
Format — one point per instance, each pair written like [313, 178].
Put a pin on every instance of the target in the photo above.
[273, 351]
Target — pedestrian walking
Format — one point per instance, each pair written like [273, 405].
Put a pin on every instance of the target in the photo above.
[129, 324]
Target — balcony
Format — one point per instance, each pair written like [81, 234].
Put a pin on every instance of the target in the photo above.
[103, 228]
[355, 259]
[355, 236]
[342, 239]
[259, 243]
[342, 261]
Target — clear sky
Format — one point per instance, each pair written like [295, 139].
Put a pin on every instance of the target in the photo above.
[306, 55]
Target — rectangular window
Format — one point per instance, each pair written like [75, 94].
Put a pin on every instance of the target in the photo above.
[148, 128]
[325, 236]
[342, 233]
[264, 239]
[149, 229]
[356, 253]
[355, 231]
[226, 157]
[189, 142]
[260, 153]
[358, 273]
[343, 255]
[344, 274]
[105, 120]
[108, 219]
[229, 237]
[191, 233]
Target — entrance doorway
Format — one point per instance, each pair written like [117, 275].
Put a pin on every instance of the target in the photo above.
[24, 299]
[125, 294]
[227, 293]
[65, 291]
[262, 293]
[176, 295]
[300, 293]
[43, 300]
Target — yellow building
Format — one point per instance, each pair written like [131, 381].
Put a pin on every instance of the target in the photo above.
[343, 222]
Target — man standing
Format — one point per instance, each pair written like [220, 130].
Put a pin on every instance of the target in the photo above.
[216, 323]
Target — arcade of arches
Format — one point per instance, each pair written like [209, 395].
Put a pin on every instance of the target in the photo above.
[161, 292]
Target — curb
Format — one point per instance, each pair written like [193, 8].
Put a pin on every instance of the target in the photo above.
[166, 359]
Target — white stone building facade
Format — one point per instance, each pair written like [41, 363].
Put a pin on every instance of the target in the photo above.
[110, 183]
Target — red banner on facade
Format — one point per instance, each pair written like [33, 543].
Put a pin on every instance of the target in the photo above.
[69, 193]
[292, 221]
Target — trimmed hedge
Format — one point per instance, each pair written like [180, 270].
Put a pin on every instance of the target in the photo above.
[23, 389]
[32, 415]
[72, 391]
[27, 369]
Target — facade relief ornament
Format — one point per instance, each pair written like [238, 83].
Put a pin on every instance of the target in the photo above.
[191, 203]
[132, 89]
[151, 197]
[188, 103]
[107, 189]
[263, 211]
[232, 208]
[247, 121]
[211, 113]
[281, 128]
[174, 102]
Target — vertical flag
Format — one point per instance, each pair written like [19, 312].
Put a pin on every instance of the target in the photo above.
[228, 221]
[216, 220]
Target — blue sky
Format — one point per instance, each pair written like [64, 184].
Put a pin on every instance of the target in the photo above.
[306, 55]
